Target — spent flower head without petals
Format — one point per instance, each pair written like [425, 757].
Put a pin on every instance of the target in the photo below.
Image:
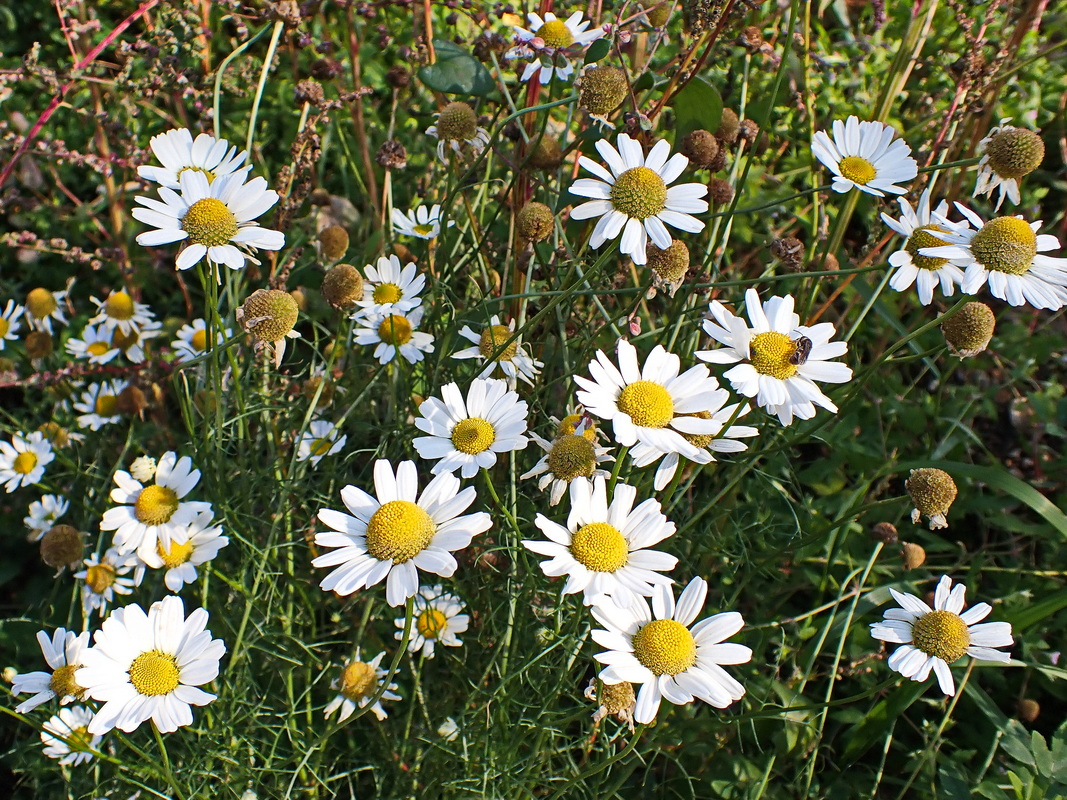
[456, 127]
[490, 348]
[865, 156]
[1007, 155]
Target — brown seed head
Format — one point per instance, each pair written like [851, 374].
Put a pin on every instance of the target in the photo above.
[885, 532]
[342, 286]
[334, 243]
[535, 222]
[39, 344]
[729, 126]
[62, 546]
[701, 148]
[969, 331]
[269, 314]
[669, 265]
[912, 555]
[546, 154]
[720, 191]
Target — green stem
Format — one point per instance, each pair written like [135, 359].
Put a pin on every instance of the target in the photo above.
[166, 764]
[267, 61]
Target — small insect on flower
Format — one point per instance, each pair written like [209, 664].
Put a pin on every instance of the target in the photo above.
[799, 357]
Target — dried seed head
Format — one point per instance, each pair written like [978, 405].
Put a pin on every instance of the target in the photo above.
[720, 191]
[269, 314]
[602, 89]
[668, 265]
[535, 222]
[392, 155]
[39, 344]
[334, 243]
[398, 77]
[131, 401]
[729, 126]
[56, 434]
[969, 331]
[1015, 152]
[342, 286]
[751, 38]
[932, 491]
[285, 11]
[790, 251]
[885, 532]
[912, 555]
[701, 148]
[748, 130]
[1028, 710]
[62, 546]
[310, 91]
[457, 121]
[546, 153]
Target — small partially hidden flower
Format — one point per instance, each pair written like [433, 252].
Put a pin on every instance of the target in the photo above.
[1008, 154]
[616, 700]
[932, 491]
[437, 621]
[44, 513]
[420, 222]
[865, 156]
[62, 652]
[357, 685]
[320, 440]
[9, 322]
[66, 736]
[918, 227]
[495, 351]
[179, 153]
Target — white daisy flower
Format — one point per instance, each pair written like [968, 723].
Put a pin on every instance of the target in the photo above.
[157, 513]
[388, 289]
[106, 577]
[1007, 155]
[44, 306]
[62, 652]
[121, 312]
[192, 340]
[99, 405]
[437, 621]
[94, 345]
[660, 652]
[394, 535]
[548, 42]
[456, 127]
[214, 219]
[648, 404]
[1006, 254]
[178, 152]
[148, 666]
[395, 333]
[320, 440]
[203, 542]
[420, 222]
[863, 155]
[932, 639]
[781, 359]
[725, 440]
[9, 322]
[359, 682]
[604, 548]
[915, 226]
[570, 457]
[633, 199]
[66, 736]
[22, 462]
[512, 360]
[468, 435]
[44, 513]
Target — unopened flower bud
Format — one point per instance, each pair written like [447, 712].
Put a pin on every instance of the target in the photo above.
[912, 555]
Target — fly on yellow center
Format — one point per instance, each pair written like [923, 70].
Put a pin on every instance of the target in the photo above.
[210, 223]
[97, 348]
[387, 293]
[358, 681]
[473, 436]
[431, 623]
[572, 457]
[647, 403]
[155, 505]
[321, 447]
[700, 440]
[395, 330]
[424, 230]
[398, 531]
[106, 405]
[177, 555]
[154, 673]
[920, 238]
[100, 577]
[769, 354]
[600, 547]
[665, 646]
[41, 303]
[941, 634]
[119, 306]
[493, 337]
[63, 683]
[569, 425]
[639, 193]
[858, 170]
[555, 33]
[1005, 244]
[25, 462]
[199, 340]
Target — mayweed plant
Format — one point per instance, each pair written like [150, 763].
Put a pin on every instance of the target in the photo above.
[612, 400]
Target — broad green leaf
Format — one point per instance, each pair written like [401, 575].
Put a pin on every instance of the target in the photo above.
[697, 106]
[456, 72]
[1036, 612]
[597, 50]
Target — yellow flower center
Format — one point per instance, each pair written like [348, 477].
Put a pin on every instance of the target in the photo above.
[210, 175]
[639, 193]
[424, 230]
[920, 238]
[1015, 152]
[5, 326]
[698, 439]
[665, 646]
[210, 223]
[119, 306]
[493, 337]
[177, 555]
[648, 404]
[63, 683]
[473, 436]
[387, 293]
[1005, 244]
[769, 354]
[395, 330]
[858, 170]
[941, 634]
[198, 340]
[321, 447]
[124, 341]
[431, 623]
[572, 457]
[25, 462]
[154, 673]
[555, 33]
[80, 738]
[155, 505]
[97, 348]
[106, 405]
[399, 531]
[100, 577]
[358, 681]
[600, 547]
[41, 303]
[569, 424]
